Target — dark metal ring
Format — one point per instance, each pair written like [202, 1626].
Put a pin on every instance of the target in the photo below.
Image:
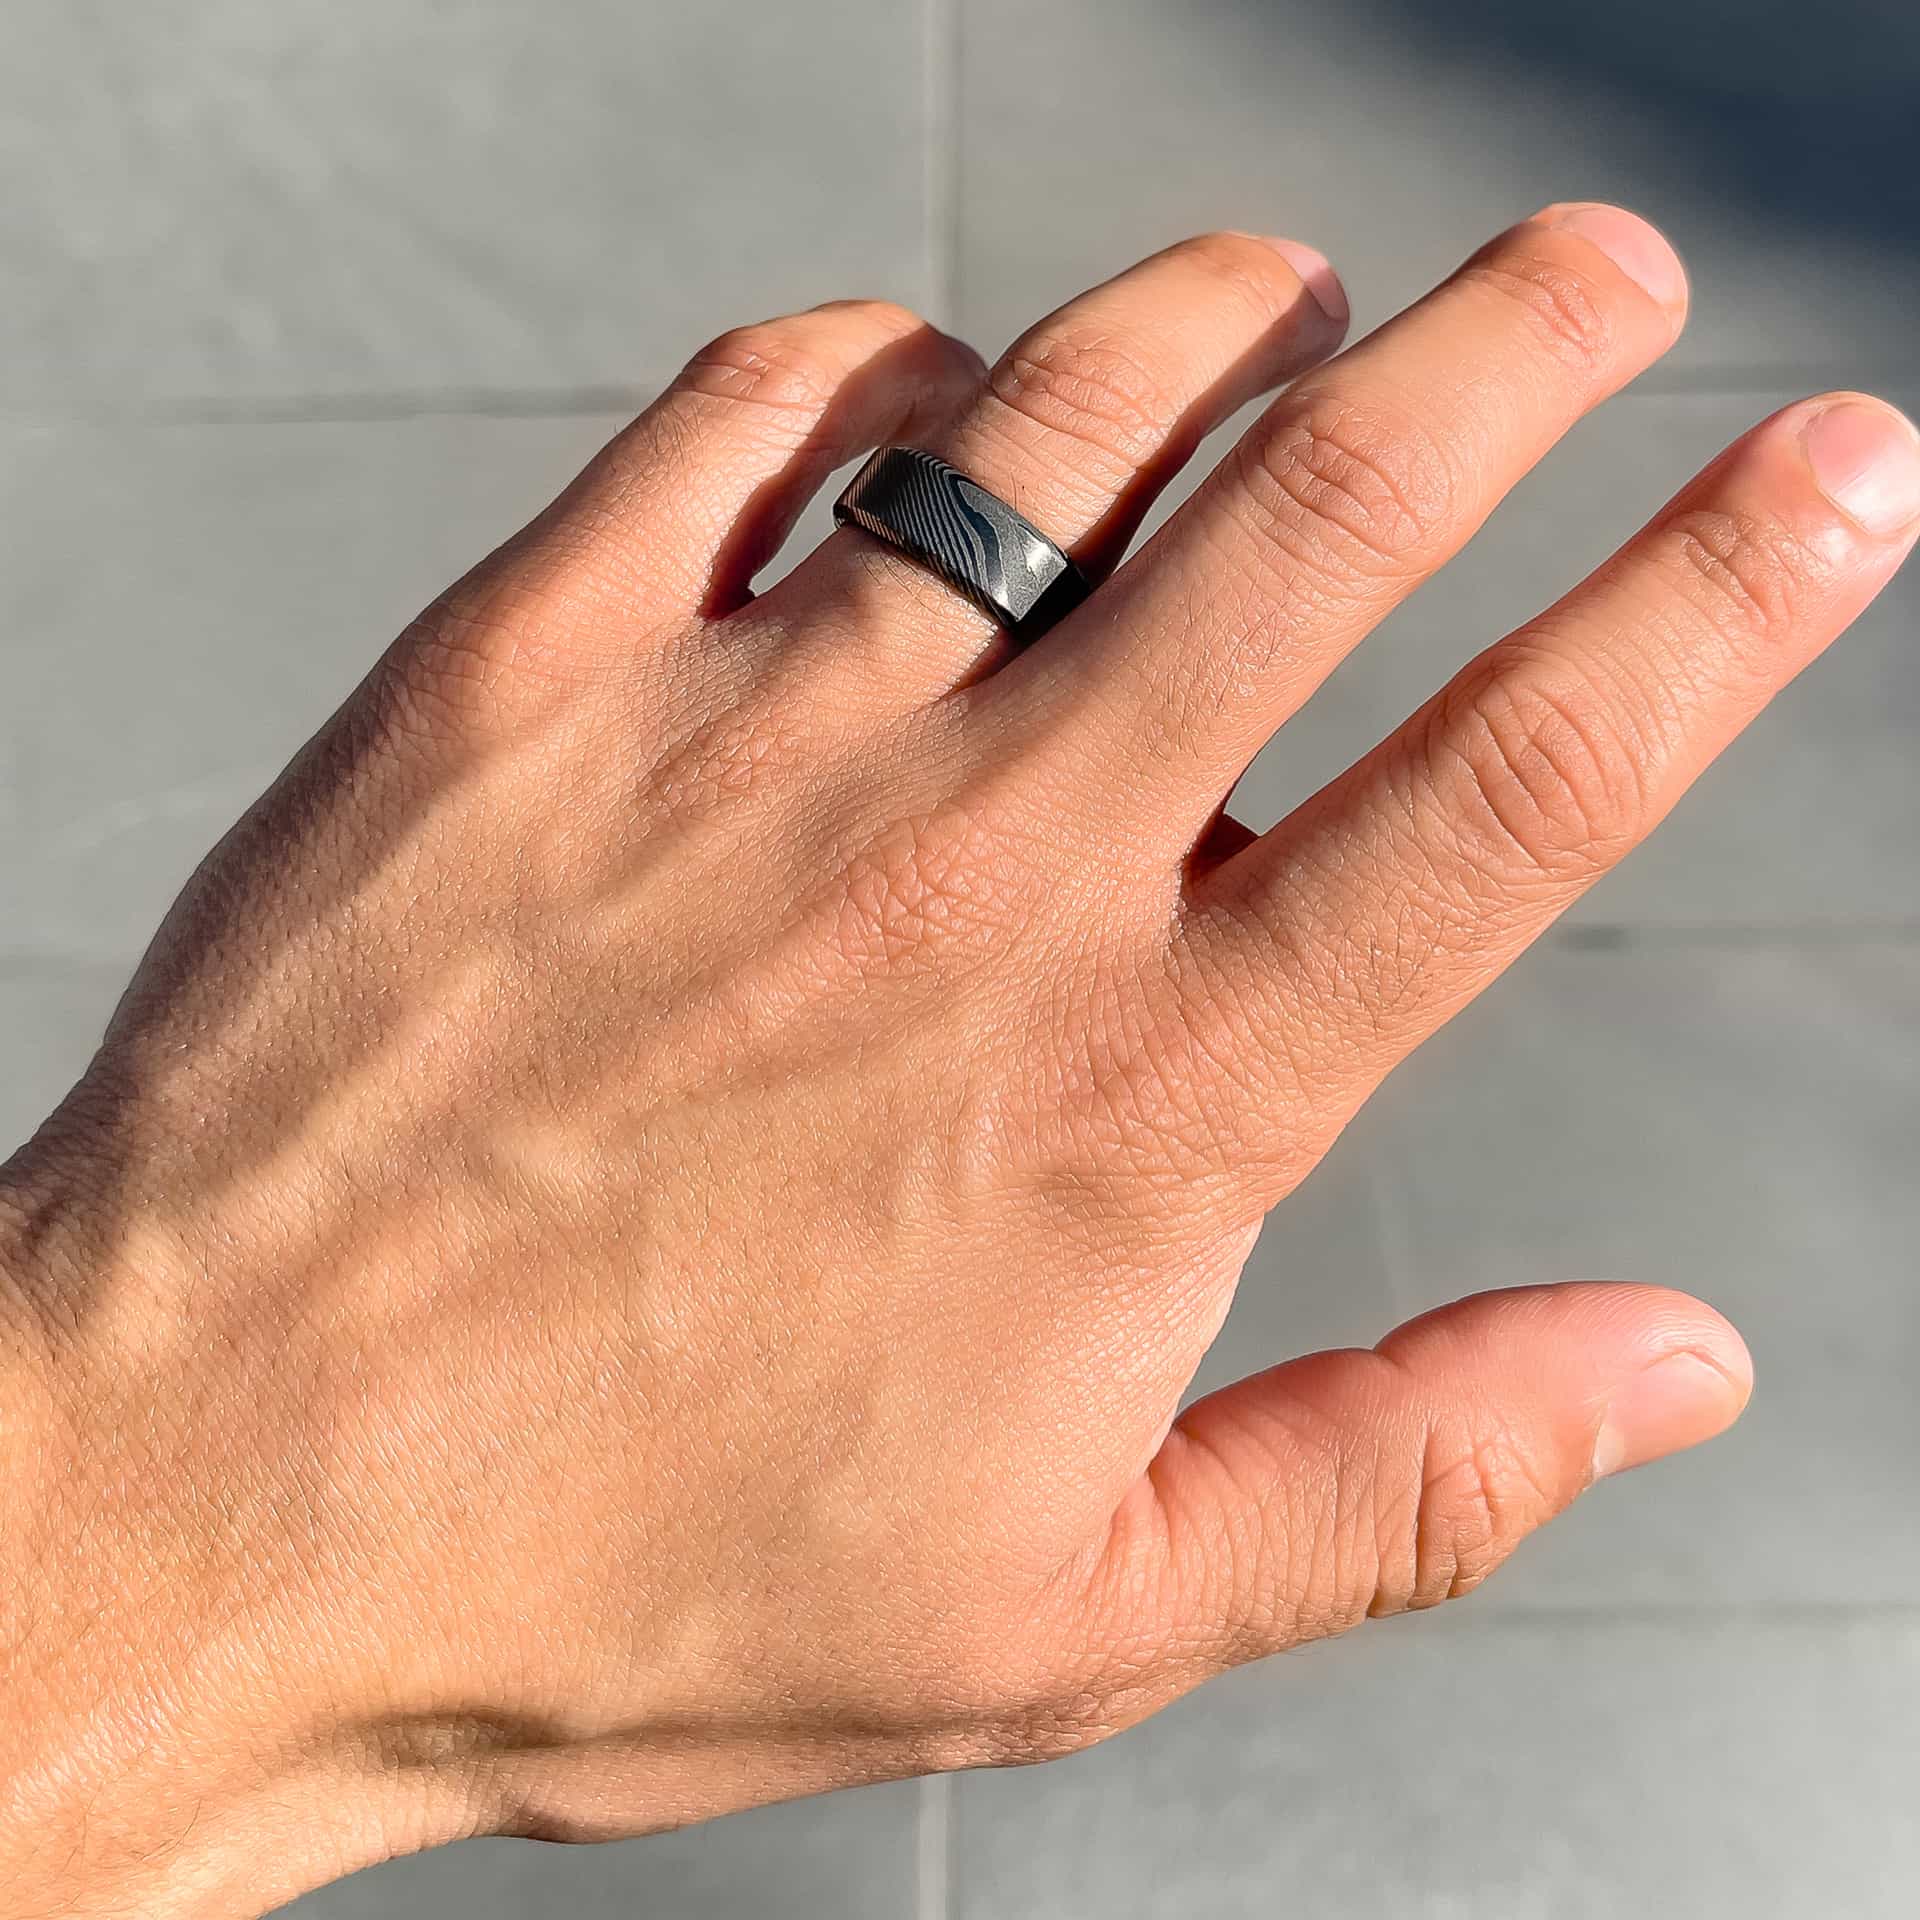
[971, 538]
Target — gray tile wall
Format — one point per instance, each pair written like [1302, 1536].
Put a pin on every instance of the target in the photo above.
[310, 303]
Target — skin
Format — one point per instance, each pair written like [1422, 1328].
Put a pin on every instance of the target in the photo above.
[634, 1246]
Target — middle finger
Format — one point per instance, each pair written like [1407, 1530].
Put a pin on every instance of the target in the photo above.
[1356, 485]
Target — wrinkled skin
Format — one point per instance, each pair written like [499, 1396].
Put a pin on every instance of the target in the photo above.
[634, 1245]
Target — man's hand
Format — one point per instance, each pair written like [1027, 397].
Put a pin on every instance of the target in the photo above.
[634, 1244]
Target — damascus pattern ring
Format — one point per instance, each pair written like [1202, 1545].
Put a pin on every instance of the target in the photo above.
[971, 538]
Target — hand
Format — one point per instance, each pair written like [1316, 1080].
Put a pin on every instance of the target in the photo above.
[634, 1244]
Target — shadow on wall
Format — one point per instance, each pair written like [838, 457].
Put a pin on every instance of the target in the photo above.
[1806, 110]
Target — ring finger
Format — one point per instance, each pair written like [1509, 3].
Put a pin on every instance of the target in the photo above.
[1083, 421]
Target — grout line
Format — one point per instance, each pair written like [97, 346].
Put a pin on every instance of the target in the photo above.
[352, 409]
[943, 30]
[942, 268]
[1798, 1614]
[60, 963]
[933, 1849]
[1601, 936]
[1759, 378]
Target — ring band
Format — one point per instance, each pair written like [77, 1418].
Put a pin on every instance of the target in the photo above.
[971, 538]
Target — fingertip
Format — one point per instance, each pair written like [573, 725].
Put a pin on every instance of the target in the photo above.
[1645, 1370]
[967, 355]
[1636, 246]
[1688, 1379]
[1318, 277]
[1865, 457]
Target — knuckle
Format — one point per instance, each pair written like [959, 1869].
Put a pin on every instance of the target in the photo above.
[1559, 308]
[729, 762]
[1279, 1569]
[1350, 494]
[1101, 390]
[1532, 769]
[1477, 1496]
[454, 666]
[931, 885]
[487, 652]
[788, 366]
[1245, 266]
[1739, 571]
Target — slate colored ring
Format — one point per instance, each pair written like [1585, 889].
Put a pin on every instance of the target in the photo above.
[971, 538]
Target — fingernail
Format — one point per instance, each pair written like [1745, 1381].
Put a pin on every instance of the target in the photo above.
[1866, 458]
[1676, 1401]
[1316, 271]
[1629, 242]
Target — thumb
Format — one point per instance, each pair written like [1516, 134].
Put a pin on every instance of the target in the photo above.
[1296, 1503]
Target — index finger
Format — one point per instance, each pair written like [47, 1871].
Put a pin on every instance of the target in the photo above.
[1373, 913]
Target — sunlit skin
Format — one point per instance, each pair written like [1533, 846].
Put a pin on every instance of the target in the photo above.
[634, 1246]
